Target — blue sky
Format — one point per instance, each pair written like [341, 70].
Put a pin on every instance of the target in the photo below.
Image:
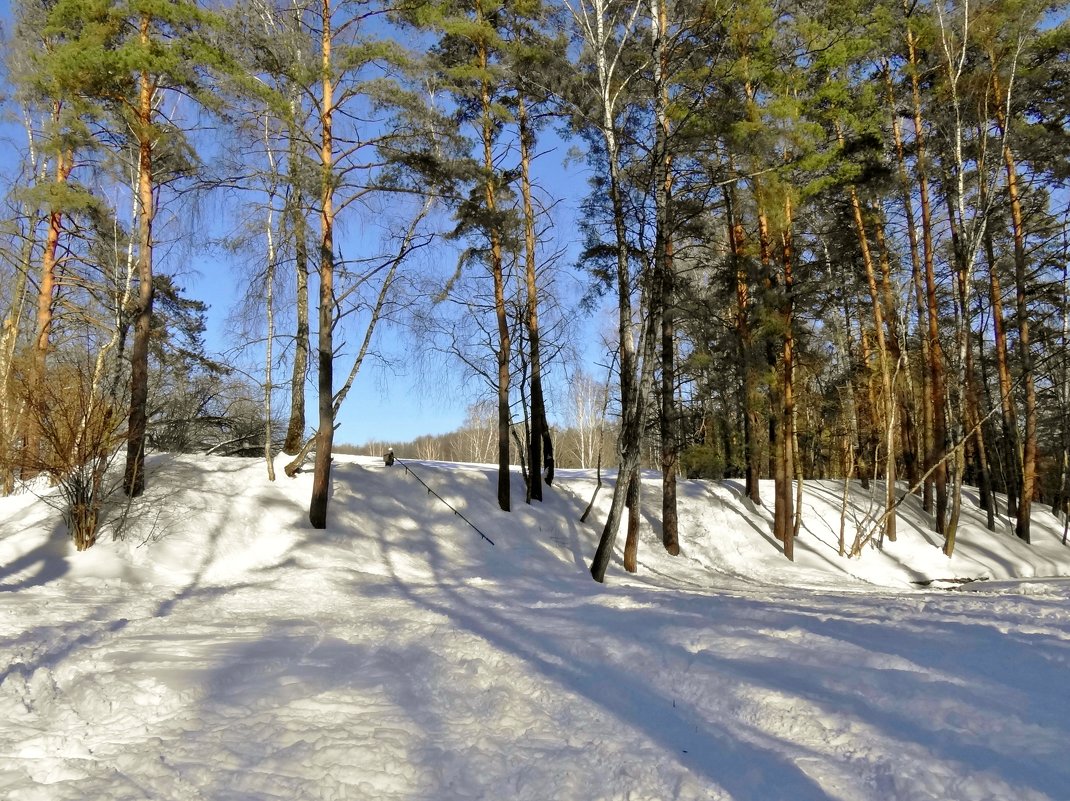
[405, 394]
[384, 404]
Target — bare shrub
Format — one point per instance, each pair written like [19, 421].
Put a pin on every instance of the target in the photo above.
[80, 436]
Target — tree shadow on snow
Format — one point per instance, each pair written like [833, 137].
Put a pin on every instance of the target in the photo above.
[705, 747]
[50, 559]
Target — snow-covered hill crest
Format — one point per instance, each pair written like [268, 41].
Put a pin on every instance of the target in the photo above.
[226, 650]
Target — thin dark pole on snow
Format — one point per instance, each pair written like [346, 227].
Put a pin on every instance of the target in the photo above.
[430, 491]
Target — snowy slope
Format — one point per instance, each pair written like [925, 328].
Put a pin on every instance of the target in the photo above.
[225, 650]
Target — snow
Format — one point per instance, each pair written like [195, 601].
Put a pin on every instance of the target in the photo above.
[225, 650]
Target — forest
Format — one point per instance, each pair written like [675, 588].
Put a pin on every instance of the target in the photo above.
[834, 238]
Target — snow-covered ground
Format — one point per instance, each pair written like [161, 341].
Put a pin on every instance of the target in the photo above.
[225, 650]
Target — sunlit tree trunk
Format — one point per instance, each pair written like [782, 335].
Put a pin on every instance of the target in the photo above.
[937, 388]
[598, 29]
[783, 396]
[134, 477]
[924, 439]
[884, 362]
[1025, 355]
[321, 477]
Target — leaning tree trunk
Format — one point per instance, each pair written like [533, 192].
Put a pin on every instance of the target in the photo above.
[628, 440]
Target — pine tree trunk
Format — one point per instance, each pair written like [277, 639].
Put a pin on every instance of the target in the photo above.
[1025, 356]
[923, 440]
[783, 514]
[748, 380]
[321, 477]
[1008, 411]
[765, 257]
[134, 477]
[890, 402]
[937, 387]
[540, 431]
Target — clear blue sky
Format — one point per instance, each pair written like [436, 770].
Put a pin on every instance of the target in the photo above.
[382, 405]
[400, 402]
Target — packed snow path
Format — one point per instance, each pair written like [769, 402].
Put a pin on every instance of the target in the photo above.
[243, 655]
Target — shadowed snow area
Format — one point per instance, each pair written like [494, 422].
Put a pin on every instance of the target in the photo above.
[225, 650]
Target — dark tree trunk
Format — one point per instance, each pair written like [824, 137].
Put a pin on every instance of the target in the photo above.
[295, 430]
[748, 380]
[784, 407]
[628, 440]
[540, 449]
[134, 476]
[937, 389]
[922, 438]
[631, 542]
[321, 479]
